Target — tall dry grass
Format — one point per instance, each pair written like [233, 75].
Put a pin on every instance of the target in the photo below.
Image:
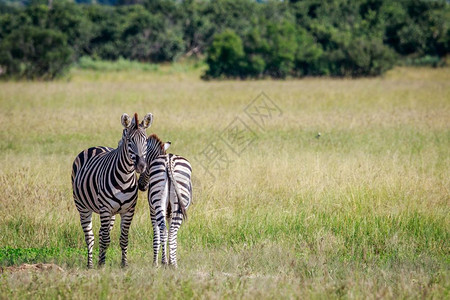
[361, 211]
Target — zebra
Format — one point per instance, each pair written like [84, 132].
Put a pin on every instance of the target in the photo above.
[104, 182]
[169, 195]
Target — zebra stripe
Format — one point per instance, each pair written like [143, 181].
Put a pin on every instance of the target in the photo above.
[169, 195]
[104, 182]
[155, 148]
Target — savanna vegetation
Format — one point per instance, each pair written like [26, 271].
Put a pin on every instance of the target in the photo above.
[361, 211]
[236, 38]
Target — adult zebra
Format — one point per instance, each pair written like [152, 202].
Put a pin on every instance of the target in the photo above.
[169, 195]
[104, 182]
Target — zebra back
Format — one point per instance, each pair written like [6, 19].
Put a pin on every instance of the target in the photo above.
[170, 163]
[179, 170]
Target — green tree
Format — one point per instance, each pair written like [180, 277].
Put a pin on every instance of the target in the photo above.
[32, 52]
[225, 55]
[247, 38]
[106, 42]
[308, 58]
[198, 28]
[68, 18]
[282, 47]
[148, 37]
[367, 57]
[255, 48]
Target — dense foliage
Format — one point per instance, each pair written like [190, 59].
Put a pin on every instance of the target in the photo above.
[240, 38]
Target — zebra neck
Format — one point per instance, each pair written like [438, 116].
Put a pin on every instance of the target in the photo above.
[151, 155]
[123, 162]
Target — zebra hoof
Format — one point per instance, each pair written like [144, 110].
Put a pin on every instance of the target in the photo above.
[124, 265]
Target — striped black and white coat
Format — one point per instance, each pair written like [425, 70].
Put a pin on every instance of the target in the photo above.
[168, 180]
[104, 182]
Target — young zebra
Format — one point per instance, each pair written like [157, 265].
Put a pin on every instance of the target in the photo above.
[104, 182]
[169, 195]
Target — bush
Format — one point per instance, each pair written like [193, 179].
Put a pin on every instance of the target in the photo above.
[253, 66]
[148, 37]
[308, 59]
[428, 61]
[282, 50]
[106, 30]
[263, 38]
[32, 52]
[225, 55]
[282, 47]
[365, 57]
[69, 18]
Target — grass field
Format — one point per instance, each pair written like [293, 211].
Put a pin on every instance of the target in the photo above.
[361, 212]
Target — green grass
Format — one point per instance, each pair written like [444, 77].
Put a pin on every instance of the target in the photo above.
[88, 69]
[361, 212]
[87, 63]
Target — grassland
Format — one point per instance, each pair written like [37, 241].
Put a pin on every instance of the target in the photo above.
[361, 212]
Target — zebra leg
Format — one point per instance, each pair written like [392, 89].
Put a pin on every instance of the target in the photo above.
[105, 240]
[156, 237]
[160, 216]
[163, 235]
[125, 222]
[175, 223]
[111, 224]
[86, 224]
[156, 201]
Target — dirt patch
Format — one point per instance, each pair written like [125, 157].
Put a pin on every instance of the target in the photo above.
[32, 267]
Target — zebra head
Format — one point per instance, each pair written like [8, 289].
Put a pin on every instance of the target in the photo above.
[135, 138]
[155, 148]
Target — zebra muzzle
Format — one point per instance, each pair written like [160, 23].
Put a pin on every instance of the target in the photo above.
[140, 165]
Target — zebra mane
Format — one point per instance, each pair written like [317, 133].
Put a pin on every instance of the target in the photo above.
[154, 137]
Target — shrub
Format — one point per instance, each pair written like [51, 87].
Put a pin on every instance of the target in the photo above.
[367, 57]
[148, 37]
[253, 66]
[32, 52]
[264, 38]
[356, 56]
[69, 18]
[308, 56]
[282, 47]
[225, 55]
[428, 60]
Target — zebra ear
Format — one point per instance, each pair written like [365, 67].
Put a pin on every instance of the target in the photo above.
[147, 121]
[167, 145]
[126, 120]
[135, 121]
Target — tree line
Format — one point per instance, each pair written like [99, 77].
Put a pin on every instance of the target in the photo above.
[237, 38]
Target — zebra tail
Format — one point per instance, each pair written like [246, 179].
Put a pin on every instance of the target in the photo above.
[177, 191]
